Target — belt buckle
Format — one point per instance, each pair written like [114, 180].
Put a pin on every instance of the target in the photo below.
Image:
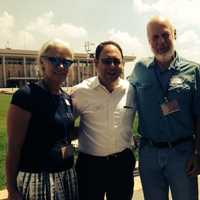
[114, 155]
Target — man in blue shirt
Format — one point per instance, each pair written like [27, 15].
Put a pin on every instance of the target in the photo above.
[168, 104]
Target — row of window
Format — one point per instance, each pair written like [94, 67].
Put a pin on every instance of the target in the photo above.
[17, 60]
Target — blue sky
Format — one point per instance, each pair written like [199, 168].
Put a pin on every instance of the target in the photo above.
[26, 24]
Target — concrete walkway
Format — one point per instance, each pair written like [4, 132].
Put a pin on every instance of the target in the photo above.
[3, 194]
[8, 90]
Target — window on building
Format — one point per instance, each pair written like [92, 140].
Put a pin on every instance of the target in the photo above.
[31, 61]
[14, 60]
[19, 74]
[8, 73]
[28, 73]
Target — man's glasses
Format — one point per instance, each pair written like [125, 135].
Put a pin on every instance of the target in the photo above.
[109, 61]
[57, 61]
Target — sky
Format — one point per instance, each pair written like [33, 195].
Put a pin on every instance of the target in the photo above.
[27, 24]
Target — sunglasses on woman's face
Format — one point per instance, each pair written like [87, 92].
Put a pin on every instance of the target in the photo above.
[57, 61]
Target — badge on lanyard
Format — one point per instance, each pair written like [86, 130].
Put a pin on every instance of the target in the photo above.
[67, 102]
[169, 107]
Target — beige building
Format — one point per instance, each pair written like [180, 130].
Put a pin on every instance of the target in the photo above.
[18, 67]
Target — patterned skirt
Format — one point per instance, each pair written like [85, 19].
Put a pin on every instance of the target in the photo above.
[48, 186]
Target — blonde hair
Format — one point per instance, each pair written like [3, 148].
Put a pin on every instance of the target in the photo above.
[51, 44]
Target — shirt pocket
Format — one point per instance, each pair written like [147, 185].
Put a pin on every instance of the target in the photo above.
[182, 92]
[93, 111]
[125, 117]
[143, 88]
[145, 91]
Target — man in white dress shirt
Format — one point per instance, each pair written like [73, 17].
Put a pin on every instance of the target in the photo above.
[105, 105]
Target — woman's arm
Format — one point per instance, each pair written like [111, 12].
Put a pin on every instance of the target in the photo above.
[17, 124]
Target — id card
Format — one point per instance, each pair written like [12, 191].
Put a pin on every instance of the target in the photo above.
[170, 107]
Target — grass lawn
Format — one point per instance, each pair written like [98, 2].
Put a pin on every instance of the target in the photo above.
[4, 103]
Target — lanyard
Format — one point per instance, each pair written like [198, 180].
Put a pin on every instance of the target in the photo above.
[61, 101]
[163, 89]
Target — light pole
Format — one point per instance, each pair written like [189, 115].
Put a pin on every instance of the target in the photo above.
[87, 47]
[90, 55]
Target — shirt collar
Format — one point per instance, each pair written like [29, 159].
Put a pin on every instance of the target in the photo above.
[96, 83]
[175, 64]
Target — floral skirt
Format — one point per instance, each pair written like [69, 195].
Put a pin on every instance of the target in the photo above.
[48, 186]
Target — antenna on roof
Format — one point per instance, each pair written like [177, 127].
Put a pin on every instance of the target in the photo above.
[87, 46]
[7, 45]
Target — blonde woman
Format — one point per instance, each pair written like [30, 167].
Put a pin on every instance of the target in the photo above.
[40, 121]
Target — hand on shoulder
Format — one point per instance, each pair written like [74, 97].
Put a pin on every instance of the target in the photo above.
[70, 90]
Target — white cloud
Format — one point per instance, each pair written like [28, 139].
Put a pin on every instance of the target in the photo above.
[131, 45]
[25, 40]
[141, 7]
[185, 12]
[189, 37]
[7, 24]
[188, 44]
[41, 24]
[37, 31]
[6, 21]
[45, 26]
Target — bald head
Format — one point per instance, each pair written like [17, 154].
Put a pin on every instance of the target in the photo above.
[161, 35]
[160, 21]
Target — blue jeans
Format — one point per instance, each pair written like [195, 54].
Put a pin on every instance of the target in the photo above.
[164, 168]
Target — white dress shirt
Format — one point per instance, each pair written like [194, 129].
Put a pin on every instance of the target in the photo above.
[106, 119]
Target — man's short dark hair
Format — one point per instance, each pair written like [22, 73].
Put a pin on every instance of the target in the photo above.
[101, 46]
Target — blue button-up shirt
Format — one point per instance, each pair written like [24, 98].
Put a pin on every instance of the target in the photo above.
[180, 82]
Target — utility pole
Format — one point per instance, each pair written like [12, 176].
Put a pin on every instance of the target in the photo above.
[87, 46]
[90, 55]
[7, 45]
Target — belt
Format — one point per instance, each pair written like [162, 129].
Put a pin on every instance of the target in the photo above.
[168, 144]
[108, 157]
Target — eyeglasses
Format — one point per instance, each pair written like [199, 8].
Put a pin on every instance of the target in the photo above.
[57, 61]
[109, 61]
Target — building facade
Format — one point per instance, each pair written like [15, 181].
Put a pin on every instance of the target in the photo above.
[17, 67]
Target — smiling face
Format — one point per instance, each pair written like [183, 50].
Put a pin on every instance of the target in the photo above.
[109, 64]
[161, 36]
[54, 63]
